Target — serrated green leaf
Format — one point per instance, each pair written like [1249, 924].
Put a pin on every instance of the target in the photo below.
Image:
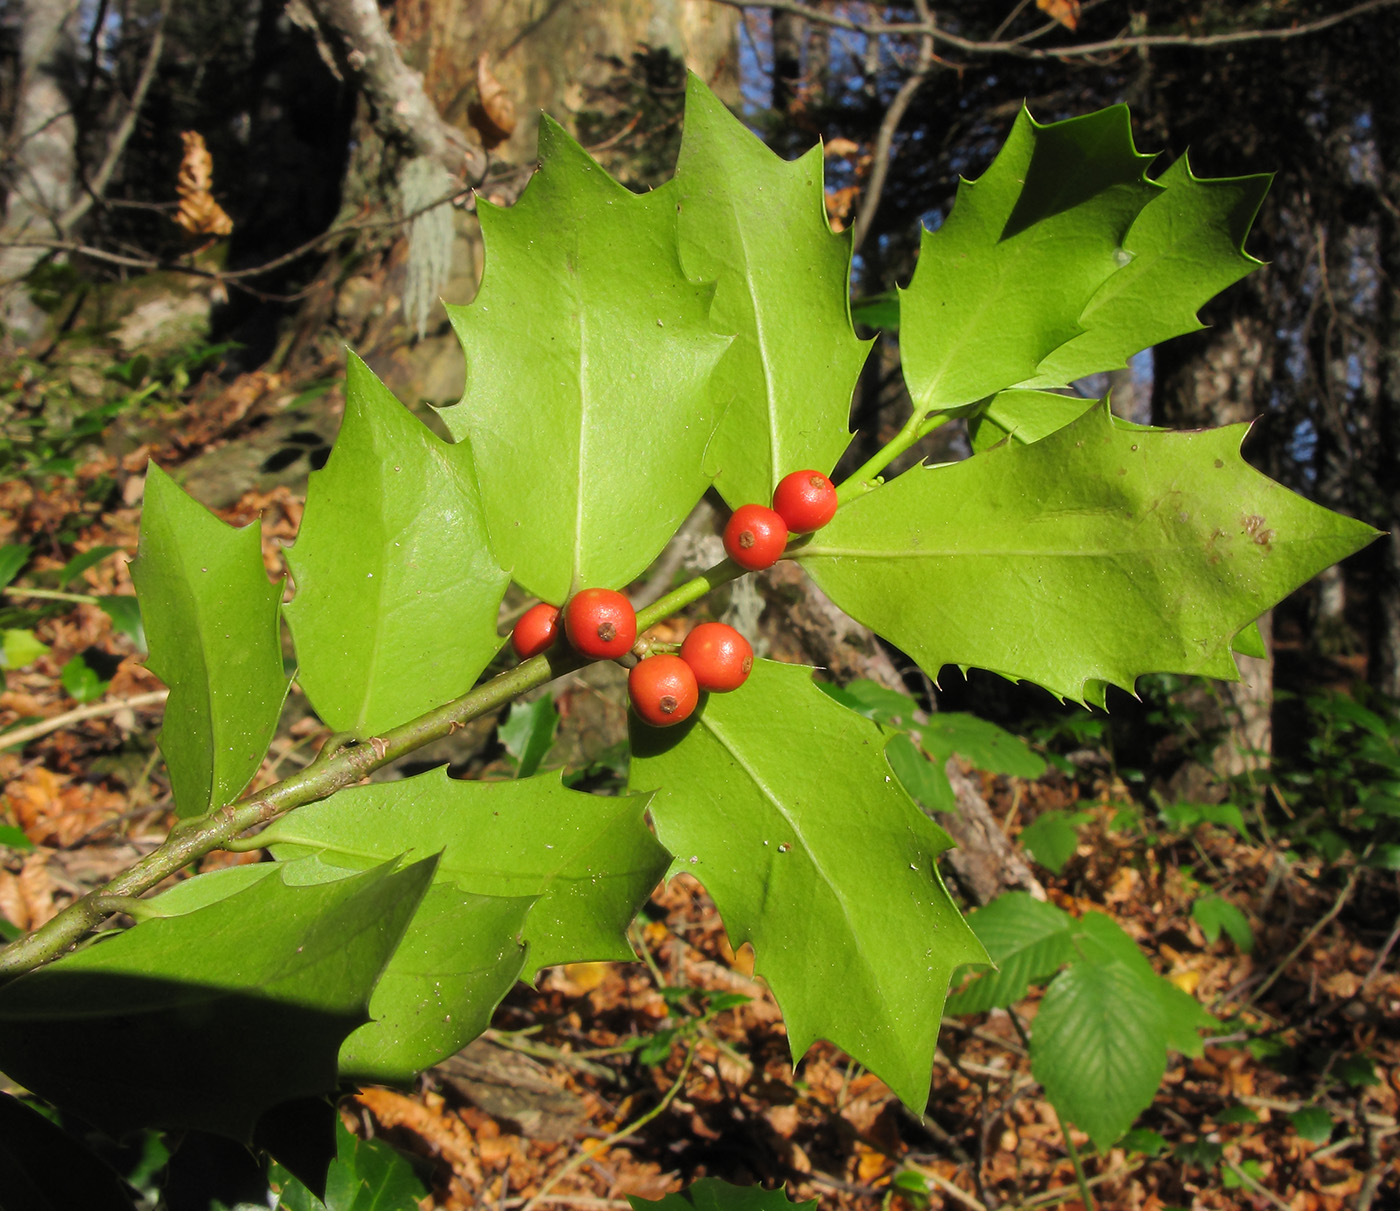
[277, 972]
[13, 557]
[1002, 284]
[1026, 938]
[589, 859]
[396, 589]
[528, 733]
[1313, 1123]
[1099, 938]
[1052, 839]
[712, 1194]
[1187, 815]
[1213, 913]
[1185, 246]
[366, 1175]
[1094, 555]
[980, 742]
[589, 354]
[925, 780]
[756, 226]
[211, 618]
[781, 803]
[1096, 1047]
[1144, 1140]
[22, 648]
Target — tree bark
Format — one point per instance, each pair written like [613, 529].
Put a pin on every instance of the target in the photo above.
[42, 162]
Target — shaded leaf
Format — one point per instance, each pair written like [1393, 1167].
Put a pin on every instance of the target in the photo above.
[366, 1175]
[211, 620]
[276, 971]
[43, 1168]
[781, 803]
[80, 563]
[13, 557]
[925, 780]
[1214, 913]
[1052, 839]
[981, 743]
[1313, 1123]
[528, 733]
[125, 614]
[588, 361]
[711, 1194]
[397, 592]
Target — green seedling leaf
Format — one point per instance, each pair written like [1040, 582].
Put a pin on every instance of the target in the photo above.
[980, 742]
[43, 1168]
[711, 1194]
[278, 972]
[125, 614]
[1234, 1115]
[1027, 939]
[79, 564]
[873, 700]
[211, 618]
[1002, 284]
[392, 549]
[589, 354]
[80, 682]
[781, 803]
[1200, 1154]
[1358, 1071]
[1313, 1123]
[756, 226]
[13, 557]
[366, 1175]
[1245, 1175]
[925, 780]
[1096, 1047]
[1052, 839]
[1186, 816]
[22, 648]
[15, 838]
[1136, 551]
[1213, 913]
[1183, 248]
[588, 860]
[528, 733]
[1144, 1140]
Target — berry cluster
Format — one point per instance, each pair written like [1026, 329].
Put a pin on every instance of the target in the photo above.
[665, 688]
[754, 537]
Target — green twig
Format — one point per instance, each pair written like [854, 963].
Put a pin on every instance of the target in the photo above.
[53, 595]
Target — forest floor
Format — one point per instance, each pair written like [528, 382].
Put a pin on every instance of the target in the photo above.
[613, 1079]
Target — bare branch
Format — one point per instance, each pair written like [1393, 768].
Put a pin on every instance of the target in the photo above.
[1017, 48]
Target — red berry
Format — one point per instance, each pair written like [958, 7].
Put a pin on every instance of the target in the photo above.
[805, 500]
[663, 690]
[536, 631]
[718, 655]
[600, 623]
[755, 537]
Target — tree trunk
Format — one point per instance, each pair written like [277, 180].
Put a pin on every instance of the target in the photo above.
[41, 167]
[1221, 377]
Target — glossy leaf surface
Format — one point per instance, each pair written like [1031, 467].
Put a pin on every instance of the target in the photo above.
[781, 803]
[589, 354]
[396, 589]
[756, 226]
[211, 622]
[1092, 556]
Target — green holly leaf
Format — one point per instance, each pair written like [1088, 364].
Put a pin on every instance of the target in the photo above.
[781, 803]
[397, 591]
[589, 354]
[528, 733]
[1002, 283]
[1092, 556]
[712, 1194]
[276, 972]
[1096, 1047]
[211, 619]
[756, 226]
[1185, 246]
[1027, 939]
[589, 861]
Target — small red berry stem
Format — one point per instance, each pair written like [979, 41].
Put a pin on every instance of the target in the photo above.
[866, 478]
